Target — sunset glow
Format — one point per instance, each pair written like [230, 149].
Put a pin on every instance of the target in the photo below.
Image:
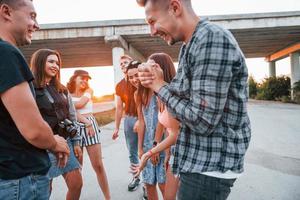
[102, 81]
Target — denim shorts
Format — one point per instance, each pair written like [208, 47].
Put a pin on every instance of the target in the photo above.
[26, 188]
[72, 163]
[153, 174]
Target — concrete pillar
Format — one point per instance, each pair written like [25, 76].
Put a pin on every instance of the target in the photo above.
[117, 52]
[272, 69]
[295, 69]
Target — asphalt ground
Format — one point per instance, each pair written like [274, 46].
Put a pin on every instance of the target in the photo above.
[272, 164]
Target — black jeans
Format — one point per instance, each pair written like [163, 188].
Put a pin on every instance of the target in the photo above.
[201, 187]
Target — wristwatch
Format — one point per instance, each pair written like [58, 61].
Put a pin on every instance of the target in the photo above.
[154, 143]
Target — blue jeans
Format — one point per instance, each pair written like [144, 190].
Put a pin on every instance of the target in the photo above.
[198, 186]
[26, 188]
[71, 165]
[131, 138]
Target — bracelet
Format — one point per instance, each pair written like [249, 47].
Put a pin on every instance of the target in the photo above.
[154, 143]
[88, 125]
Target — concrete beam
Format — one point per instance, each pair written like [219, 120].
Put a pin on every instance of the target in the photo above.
[67, 33]
[254, 20]
[257, 20]
[139, 26]
[135, 54]
[116, 41]
[283, 53]
[119, 41]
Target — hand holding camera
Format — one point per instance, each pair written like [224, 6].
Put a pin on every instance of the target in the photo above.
[68, 128]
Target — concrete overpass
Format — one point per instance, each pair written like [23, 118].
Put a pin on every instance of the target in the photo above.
[101, 43]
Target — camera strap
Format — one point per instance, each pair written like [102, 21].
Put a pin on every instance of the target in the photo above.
[60, 102]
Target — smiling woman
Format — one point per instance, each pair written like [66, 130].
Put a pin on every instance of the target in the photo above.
[102, 81]
[56, 107]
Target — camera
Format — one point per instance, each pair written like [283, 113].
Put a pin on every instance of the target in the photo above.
[68, 127]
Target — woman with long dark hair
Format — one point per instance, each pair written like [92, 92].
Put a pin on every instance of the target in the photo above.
[57, 109]
[82, 97]
[149, 129]
[170, 124]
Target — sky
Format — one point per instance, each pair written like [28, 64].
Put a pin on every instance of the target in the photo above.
[61, 11]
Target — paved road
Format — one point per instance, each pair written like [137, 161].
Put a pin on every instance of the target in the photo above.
[272, 168]
[103, 106]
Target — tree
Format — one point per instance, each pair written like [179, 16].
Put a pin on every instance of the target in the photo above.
[296, 92]
[274, 88]
[252, 87]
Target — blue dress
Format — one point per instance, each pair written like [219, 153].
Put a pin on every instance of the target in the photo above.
[152, 174]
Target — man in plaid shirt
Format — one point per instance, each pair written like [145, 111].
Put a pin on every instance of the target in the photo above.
[208, 96]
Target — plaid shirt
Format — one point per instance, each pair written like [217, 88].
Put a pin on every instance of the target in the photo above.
[208, 96]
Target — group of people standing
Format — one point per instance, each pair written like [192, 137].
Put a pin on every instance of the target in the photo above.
[149, 129]
[187, 132]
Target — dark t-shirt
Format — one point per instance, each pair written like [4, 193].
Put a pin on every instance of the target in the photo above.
[18, 158]
[126, 92]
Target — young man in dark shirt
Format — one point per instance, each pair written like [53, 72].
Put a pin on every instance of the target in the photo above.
[24, 135]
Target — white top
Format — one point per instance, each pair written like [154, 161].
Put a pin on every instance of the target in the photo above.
[88, 108]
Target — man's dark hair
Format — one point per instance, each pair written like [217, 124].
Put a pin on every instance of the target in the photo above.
[13, 3]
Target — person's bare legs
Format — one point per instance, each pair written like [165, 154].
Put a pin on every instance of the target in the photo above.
[73, 180]
[171, 185]
[162, 189]
[152, 192]
[95, 156]
[80, 160]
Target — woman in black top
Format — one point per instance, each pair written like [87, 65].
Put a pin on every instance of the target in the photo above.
[57, 109]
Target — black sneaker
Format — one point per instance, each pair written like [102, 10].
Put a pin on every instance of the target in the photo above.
[133, 185]
[145, 195]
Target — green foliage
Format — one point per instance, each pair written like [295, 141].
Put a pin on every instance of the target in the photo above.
[252, 87]
[285, 99]
[296, 92]
[273, 88]
[296, 86]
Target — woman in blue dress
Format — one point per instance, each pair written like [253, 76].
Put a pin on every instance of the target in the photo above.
[149, 134]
